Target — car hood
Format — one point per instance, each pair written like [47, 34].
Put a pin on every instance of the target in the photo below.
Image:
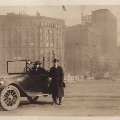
[14, 78]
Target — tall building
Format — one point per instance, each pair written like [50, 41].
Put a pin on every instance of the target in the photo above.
[83, 44]
[106, 22]
[87, 19]
[31, 37]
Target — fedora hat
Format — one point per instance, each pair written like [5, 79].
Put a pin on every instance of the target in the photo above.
[37, 63]
[55, 60]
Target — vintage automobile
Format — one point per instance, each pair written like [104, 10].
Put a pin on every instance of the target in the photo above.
[20, 82]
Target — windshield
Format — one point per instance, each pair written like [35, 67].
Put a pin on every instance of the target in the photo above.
[16, 67]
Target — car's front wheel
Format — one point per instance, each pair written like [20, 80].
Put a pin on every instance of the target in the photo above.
[10, 98]
[32, 99]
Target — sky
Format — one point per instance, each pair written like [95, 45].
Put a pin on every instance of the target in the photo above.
[72, 15]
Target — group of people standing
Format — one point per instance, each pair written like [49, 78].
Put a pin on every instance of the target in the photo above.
[56, 76]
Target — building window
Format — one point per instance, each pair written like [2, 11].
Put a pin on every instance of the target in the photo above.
[32, 31]
[46, 24]
[15, 37]
[32, 40]
[41, 41]
[8, 41]
[48, 41]
[58, 32]
[59, 54]
[32, 37]
[14, 54]
[18, 23]
[19, 37]
[26, 40]
[41, 37]
[41, 55]
[53, 55]
[52, 25]
[26, 54]
[41, 31]
[52, 42]
[26, 31]
[8, 55]
[48, 66]
[58, 44]
[26, 37]
[3, 55]
[19, 54]
[9, 31]
[58, 25]
[42, 23]
[2, 38]
[52, 32]
[2, 32]
[48, 31]
[32, 54]
[48, 55]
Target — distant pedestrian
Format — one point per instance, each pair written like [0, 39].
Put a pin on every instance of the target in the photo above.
[56, 74]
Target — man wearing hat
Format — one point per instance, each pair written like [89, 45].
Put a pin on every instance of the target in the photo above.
[56, 74]
[36, 69]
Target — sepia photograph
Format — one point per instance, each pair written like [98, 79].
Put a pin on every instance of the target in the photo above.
[60, 60]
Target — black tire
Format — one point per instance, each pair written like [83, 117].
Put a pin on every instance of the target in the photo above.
[32, 99]
[10, 98]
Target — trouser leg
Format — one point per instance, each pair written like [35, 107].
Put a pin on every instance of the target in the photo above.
[60, 100]
[54, 98]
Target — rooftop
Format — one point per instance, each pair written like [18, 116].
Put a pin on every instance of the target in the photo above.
[104, 10]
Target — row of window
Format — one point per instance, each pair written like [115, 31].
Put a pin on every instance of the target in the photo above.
[53, 25]
[18, 31]
[17, 41]
[16, 54]
[29, 23]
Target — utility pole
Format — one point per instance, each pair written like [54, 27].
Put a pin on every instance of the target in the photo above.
[74, 71]
[43, 62]
[91, 67]
[54, 55]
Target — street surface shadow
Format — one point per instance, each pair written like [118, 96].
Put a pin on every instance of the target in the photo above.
[25, 103]
[1, 109]
[36, 103]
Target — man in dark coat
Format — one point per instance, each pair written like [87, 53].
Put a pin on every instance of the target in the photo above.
[56, 74]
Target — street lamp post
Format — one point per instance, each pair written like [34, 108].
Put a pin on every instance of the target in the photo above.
[91, 67]
[74, 71]
[43, 62]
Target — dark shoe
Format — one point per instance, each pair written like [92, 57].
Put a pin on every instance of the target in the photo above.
[54, 103]
[60, 104]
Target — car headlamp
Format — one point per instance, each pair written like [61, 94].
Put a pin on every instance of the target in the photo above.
[2, 81]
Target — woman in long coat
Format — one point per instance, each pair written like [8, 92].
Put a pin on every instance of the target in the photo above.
[56, 74]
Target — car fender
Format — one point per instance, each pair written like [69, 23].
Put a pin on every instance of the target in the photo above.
[21, 90]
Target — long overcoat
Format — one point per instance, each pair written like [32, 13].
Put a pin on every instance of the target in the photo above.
[57, 76]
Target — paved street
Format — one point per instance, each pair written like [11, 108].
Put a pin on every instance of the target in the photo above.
[83, 98]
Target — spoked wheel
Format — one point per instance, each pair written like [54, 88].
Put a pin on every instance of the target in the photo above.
[10, 98]
[32, 99]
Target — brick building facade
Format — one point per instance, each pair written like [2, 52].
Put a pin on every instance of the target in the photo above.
[31, 37]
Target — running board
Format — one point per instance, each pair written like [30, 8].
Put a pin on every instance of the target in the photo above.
[37, 94]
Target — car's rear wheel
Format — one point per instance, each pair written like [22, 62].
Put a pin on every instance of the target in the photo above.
[10, 98]
[32, 99]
